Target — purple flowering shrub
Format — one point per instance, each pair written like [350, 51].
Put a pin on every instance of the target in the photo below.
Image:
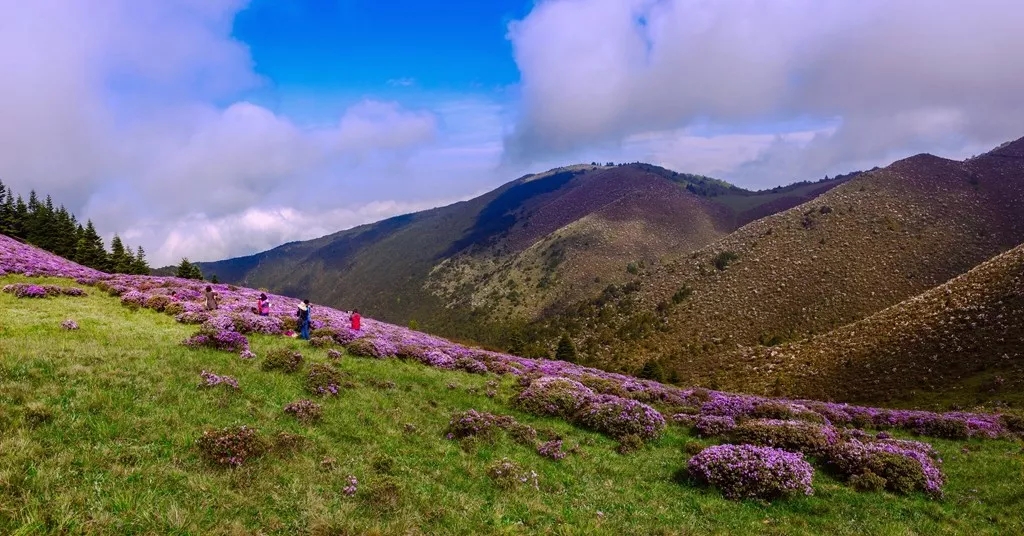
[604, 386]
[69, 325]
[229, 341]
[372, 347]
[509, 475]
[210, 379]
[904, 468]
[351, 486]
[438, 359]
[282, 359]
[320, 342]
[306, 411]
[473, 423]
[247, 355]
[553, 396]
[23, 290]
[470, 365]
[133, 299]
[712, 425]
[192, 317]
[792, 435]
[748, 471]
[333, 354]
[323, 380]
[620, 417]
[157, 302]
[232, 446]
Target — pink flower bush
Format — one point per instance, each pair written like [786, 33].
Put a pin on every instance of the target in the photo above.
[747, 471]
[210, 379]
[552, 449]
[351, 487]
[69, 324]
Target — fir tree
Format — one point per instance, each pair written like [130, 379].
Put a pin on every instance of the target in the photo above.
[139, 265]
[652, 371]
[566, 350]
[120, 259]
[188, 270]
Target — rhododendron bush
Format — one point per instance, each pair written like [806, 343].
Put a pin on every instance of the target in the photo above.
[747, 471]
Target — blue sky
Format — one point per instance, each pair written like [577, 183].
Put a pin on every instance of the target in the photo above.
[218, 128]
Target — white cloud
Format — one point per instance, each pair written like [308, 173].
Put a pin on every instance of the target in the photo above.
[898, 74]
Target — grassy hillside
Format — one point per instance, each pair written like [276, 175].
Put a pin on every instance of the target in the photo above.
[480, 268]
[870, 243]
[100, 430]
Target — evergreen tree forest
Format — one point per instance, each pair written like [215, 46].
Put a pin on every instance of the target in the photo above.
[58, 231]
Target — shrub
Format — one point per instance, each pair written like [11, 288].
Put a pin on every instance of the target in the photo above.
[333, 354]
[1012, 422]
[372, 347]
[942, 427]
[748, 471]
[323, 380]
[693, 448]
[619, 417]
[552, 449]
[553, 396]
[157, 302]
[801, 436]
[320, 342]
[231, 446]
[192, 317]
[509, 475]
[470, 365]
[605, 386]
[306, 411]
[629, 443]
[521, 433]
[174, 308]
[209, 337]
[282, 359]
[868, 481]
[438, 359]
[713, 425]
[24, 290]
[69, 324]
[133, 299]
[723, 259]
[904, 469]
[473, 423]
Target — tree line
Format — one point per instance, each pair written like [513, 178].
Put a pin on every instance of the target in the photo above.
[58, 231]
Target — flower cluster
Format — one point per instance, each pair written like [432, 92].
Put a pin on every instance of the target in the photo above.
[552, 449]
[247, 354]
[373, 347]
[21, 290]
[323, 380]
[212, 380]
[333, 354]
[69, 324]
[747, 471]
[800, 436]
[904, 466]
[713, 425]
[608, 414]
[470, 365]
[351, 486]
[305, 411]
[230, 341]
[231, 446]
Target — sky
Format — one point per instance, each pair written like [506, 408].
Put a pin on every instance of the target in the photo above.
[211, 129]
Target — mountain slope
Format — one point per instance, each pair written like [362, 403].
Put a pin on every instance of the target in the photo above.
[512, 254]
[870, 243]
[963, 339]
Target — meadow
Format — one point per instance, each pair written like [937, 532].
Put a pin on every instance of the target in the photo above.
[100, 428]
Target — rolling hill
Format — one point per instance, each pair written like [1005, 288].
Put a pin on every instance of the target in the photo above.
[480, 268]
[875, 241]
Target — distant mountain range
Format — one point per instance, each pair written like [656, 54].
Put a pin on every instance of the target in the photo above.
[845, 287]
[479, 268]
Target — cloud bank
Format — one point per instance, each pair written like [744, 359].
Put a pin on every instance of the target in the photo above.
[895, 76]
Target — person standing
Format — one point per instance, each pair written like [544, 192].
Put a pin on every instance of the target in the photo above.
[356, 320]
[304, 312]
[211, 298]
[263, 305]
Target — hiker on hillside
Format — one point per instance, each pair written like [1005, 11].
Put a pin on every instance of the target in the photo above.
[262, 305]
[356, 320]
[212, 298]
[305, 310]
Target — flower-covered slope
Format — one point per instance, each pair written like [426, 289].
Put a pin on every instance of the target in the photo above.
[385, 340]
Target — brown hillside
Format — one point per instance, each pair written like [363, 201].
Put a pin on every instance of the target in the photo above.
[963, 340]
[873, 242]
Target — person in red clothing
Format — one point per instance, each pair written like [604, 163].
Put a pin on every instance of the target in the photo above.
[356, 319]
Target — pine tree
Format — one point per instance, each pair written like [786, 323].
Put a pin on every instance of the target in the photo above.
[566, 350]
[139, 265]
[188, 270]
[213, 278]
[652, 371]
[120, 260]
[91, 251]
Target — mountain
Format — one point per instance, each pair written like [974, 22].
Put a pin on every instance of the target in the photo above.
[479, 268]
[877, 240]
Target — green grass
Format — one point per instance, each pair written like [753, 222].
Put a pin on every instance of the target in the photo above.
[98, 427]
